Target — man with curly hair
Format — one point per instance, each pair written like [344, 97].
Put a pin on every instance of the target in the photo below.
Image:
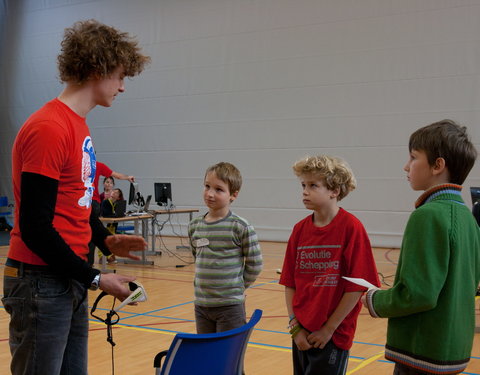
[46, 273]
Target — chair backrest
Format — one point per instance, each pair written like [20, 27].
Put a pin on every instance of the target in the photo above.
[3, 201]
[219, 353]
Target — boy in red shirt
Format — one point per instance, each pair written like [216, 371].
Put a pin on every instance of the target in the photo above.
[331, 243]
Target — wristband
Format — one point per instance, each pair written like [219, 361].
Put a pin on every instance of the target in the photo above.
[295, 329]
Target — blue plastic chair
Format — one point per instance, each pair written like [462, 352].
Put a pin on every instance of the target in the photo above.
[5, 212]
[219, 353]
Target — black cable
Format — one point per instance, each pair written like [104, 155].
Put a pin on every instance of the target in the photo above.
[109, 322]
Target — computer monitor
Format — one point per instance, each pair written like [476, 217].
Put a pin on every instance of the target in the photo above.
[132, 194]
[163, 193]
[475, 192]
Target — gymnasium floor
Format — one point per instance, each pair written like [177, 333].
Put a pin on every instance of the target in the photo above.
[149, 327]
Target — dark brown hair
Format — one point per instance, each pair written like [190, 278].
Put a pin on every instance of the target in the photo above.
[450, 141]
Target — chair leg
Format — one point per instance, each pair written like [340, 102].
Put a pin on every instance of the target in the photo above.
[157, 361]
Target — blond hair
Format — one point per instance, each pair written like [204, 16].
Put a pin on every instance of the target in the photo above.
[333, 171]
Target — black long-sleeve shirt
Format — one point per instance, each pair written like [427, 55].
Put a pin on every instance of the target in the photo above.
[38, 197]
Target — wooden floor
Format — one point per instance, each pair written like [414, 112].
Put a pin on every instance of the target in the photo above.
[146, 329]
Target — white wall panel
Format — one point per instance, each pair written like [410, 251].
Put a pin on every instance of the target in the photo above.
[261, 83]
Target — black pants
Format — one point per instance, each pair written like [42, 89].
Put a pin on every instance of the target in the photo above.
[95, 213]
[330, 360]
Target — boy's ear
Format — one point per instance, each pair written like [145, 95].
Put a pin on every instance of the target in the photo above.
[334, 193]
[439, 167]
[233, 196]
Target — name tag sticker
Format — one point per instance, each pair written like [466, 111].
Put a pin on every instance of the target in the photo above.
[202, 242]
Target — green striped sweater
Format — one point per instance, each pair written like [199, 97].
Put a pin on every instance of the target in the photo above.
[228, 259]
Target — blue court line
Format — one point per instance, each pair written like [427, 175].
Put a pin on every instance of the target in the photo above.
[133, 315]
[262, 284]
[152, 311]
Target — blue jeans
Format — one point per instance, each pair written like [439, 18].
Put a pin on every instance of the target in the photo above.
[219, 319]
[48, 321]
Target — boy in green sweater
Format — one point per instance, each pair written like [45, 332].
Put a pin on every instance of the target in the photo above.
[431, 306]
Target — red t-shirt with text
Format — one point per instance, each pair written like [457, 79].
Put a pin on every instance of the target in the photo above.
[315, 261]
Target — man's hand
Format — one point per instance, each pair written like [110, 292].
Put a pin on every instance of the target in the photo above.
[116, 285]
[123, 244]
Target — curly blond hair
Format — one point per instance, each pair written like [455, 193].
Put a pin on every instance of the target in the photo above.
[333, 171]
[91, 49]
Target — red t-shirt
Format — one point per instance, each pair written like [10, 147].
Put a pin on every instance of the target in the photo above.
[55, 142]
[101, 170]
[315, 261]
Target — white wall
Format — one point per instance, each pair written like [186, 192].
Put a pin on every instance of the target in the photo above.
[261, 83]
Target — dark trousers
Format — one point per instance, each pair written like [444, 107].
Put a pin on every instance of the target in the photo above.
[219, 319]
[330, 360]
[95, 213]
[48, 331]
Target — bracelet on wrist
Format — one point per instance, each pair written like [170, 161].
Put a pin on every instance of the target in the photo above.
[295, 330]
[291, 325]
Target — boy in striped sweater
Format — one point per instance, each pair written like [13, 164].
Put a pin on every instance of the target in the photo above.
[227, 255]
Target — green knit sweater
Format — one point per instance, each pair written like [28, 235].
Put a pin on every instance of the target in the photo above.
[431, 306]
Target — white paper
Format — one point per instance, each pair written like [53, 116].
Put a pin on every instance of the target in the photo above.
[361, 282]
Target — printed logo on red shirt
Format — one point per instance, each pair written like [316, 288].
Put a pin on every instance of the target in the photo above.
[88, 172]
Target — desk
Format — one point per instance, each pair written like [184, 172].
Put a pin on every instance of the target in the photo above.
[175, 211]
[136, 220]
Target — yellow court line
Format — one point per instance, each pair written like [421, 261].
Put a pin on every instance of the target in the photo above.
[269, 348]
[366, 363]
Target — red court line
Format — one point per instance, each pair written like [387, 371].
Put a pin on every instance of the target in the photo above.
[387, 257]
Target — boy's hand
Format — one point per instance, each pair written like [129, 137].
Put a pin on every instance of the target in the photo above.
[301, 340]
[320, 338]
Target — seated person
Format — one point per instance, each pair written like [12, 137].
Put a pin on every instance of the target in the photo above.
[108, 185]
[108, 205]
[107, 209]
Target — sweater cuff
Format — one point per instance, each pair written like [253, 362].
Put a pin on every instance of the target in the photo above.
[369, 301]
